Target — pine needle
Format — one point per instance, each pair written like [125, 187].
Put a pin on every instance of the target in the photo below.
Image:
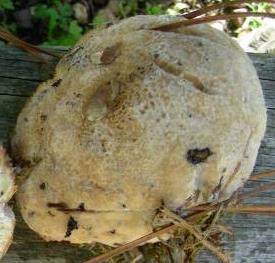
[219, 6]
[206, 19]
[35, 51]
[247, 209]
[177, 220]
[129, 246]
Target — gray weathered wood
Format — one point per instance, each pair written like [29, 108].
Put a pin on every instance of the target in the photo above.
[254, 235]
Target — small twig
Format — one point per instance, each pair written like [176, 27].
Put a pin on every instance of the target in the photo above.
[202, 20]
[195, 232]
[217, 214]
[8, 37]
[248, 209]
[129, 246]
[219, 6]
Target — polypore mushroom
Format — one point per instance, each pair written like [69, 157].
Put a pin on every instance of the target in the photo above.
[7, 189]
[135, 118]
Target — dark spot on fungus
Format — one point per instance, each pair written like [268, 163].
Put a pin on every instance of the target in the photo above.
[43, 117]
[56, 83]
[224, 170]
[113, 231]
[2, 193]
[58, 206]
[71, 225]
[190, 115]
[156, 55]
[124, 206]
[26, 119]
[109, 54]
[31, 214]
[196, 156]
[81, 207]
[200, 44]
[42, 186]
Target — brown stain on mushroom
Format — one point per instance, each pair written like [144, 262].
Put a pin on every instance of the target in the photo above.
[110, 54]
[71, 226]
[196, 156]
[58, 206]
[57, 83]
[42, 186]
[177, 71]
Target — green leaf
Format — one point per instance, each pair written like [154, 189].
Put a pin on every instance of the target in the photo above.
[75, 30]
[65, 10]
[53, 16]
[6, 4]
[153, 9]
[99, 20]
[255, 23]
[40, 11]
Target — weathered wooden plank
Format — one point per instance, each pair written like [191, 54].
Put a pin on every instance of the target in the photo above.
[254, 238]
[17, 87]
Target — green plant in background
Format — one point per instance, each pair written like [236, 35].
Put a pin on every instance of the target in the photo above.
[99, 20]
[254, 23]
[151, 9]
[62, 28]
[6, 5]
[127, 8]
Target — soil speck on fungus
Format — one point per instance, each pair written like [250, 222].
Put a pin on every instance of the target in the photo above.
[196, 156]
[71, 225]
[56, 83]
[81, 207]
[42, 186]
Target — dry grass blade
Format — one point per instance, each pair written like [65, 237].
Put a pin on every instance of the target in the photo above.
[195, 232]
[261, 175]
[219, 6]
[10, 38]
[248, 209]
[207, 19]
[199, 211]
[138, 242]
[131, 245]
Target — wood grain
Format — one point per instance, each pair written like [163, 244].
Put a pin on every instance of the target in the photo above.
[254, 235]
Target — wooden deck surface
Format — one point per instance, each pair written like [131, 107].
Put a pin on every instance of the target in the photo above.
[254, 235]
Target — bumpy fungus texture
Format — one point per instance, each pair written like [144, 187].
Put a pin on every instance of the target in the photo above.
[7, 189]
[132, 119]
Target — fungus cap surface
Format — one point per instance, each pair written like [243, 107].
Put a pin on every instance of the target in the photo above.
[132, 119]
